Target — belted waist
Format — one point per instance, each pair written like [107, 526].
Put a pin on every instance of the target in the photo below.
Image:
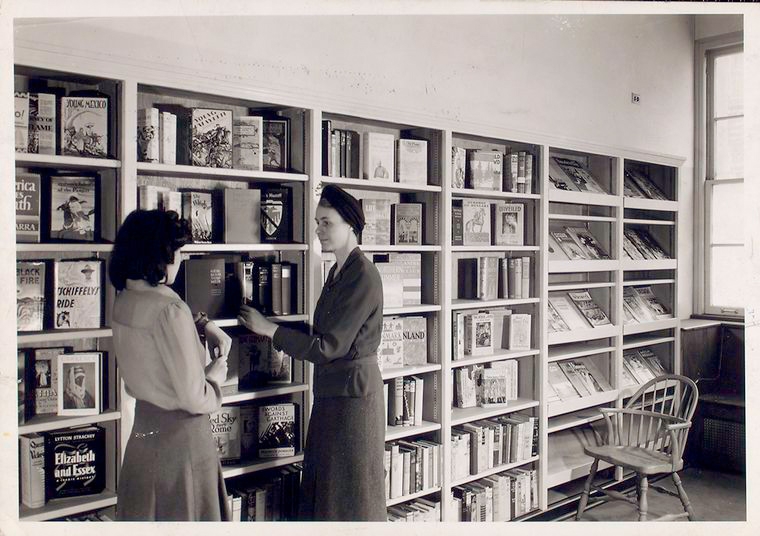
[348, 378]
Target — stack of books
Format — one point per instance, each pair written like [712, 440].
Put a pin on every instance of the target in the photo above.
[411, 467]
[479, 169]
[405, 401]
[401, 274]
[492, 278]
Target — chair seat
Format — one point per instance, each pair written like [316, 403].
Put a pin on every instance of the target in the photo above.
[641, 460]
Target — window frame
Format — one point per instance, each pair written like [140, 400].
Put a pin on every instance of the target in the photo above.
[706, 51]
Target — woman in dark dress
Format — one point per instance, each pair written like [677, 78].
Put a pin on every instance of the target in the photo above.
[343, 459]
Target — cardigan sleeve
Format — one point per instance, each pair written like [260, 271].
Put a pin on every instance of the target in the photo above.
[361, 296]
[180, 351]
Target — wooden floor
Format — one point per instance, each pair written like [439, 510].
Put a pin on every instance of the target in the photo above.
[715, 496]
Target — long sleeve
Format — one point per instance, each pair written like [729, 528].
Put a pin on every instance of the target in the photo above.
[179, 348]
[357, 297]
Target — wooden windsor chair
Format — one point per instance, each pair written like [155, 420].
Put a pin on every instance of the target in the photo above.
[647, 436]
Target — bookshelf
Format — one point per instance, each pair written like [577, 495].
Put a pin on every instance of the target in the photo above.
[561, 425]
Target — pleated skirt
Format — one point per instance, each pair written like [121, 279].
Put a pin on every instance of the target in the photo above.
[171, 469]
[343, 476]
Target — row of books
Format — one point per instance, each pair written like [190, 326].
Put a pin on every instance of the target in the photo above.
[268, 496]
[212, 137]
[639, 244]
[641, 365]
[59, 294]
[479, 169]
[218, 288]
[255, 431]
[231, 215]
[483, 332]
[411, 467]
[478, 222]
[482, 445]
[57, 208]
[569, 311]
[500, 497]
[492, 278]
[59, 381]
[373, 155]
[62, 464]
[573, 378]
[49, 122]
[405, 400]
[418, 510]
[640, 304]
[401, 274]
[403, 342]
[574, 243]
[481, 386]
[391, 223]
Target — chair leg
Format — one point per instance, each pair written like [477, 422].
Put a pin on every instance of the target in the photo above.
[583, 501]
[684, 498]
[643, 486]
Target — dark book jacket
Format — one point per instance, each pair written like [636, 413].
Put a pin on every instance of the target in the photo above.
[72, 208]
[276, 150]
[75, 462]
[278, 430]
[276, 215]
[202, 284]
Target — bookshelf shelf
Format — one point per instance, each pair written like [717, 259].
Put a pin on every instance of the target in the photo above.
[232, 322]
[583, 198]
[67, 507]
[393, 433]
[651, 264]
[64, 248]
[556, 267]
[410, 370]
[409, 249]
[410, 309]
[632, 329]
[412, 496]
[560, 475]
[46, 423]
[361, 184]
[55, 161]
[650, 204]
[639, 221]
[494, 248]
[581, 217]
[494, 470]
[479, 304]
[491, 194]
[216, 248]
[232, 395]
[497, 356]
[569, 406]
[637, 282]
[169, 170]
[637, 341]
[571, 420]
[254, 466]
[579, 349]
[463, 415]
[578, 286]
[583, 334]
[26, 339]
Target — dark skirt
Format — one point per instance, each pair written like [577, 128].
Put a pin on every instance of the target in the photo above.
[343, 471]
[171, 470]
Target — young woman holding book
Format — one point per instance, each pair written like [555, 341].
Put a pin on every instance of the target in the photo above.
[343, 459]
[171, 470]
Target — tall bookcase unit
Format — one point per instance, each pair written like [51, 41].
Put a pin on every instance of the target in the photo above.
[559, 462]
[109, 173]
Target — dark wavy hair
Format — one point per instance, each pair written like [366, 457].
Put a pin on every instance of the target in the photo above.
[145, 244]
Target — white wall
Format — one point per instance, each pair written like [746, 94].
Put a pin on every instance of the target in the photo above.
[706, 26]
[565, 76]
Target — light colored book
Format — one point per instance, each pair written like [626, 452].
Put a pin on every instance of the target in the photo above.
[84, 126]
[572, 249]
[411, 161]
[568, 311]
[148, 196]
[570, 370]
[21, 121]
[390, 353]
[458, 166]
[560, 383]
[225, 429]
[392, 276]
[638, 366]
[78, 288]
[411, 270]
[377, 216]
[586, 240]
[559, 179]
[593, 313]
[247, 140]
[406, 224]
[32, 453]
[556, 323]
[488, 278]
[378, 152]
[467, 385]
[526, 272]
[478, 334]
[653, 361]
[414, 340]
[167, 145]
[652, 302]
[42, 117]
[581, 178]
[79, 384]
[242, 216]
[636, 307]
[148, 135]
[485, 169]
[508, 224]
[556, 253]
[519, 331]
[476, 217]
[596, 372]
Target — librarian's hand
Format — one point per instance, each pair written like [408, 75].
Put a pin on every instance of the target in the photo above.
[219, 342]
[256, 322]
[216, 371]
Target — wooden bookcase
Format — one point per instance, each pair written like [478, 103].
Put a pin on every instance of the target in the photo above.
[562, 426]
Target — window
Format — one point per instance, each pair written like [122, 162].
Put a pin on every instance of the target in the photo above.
[722, 176]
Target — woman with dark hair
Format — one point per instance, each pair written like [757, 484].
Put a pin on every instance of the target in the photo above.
[343, 470]
[171, 470]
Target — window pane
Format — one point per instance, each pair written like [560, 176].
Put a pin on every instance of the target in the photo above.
[727, 285]
[726, 215]
[728, 156]
[729, 85]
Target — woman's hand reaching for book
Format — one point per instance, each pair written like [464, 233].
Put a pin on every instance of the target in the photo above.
[216, 371]
[219, 343]
[256, 322]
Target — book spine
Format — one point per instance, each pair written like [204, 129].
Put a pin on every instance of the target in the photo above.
[21, 121]
[276, 278]
[42, 122]
[457, 225]
[32, 449]
[335, 153]
[521, 172]
[326, 147]
[528, 173]
[148, 135]
[343, 152]
[504, 278]
[525, 294]
[287, 283]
